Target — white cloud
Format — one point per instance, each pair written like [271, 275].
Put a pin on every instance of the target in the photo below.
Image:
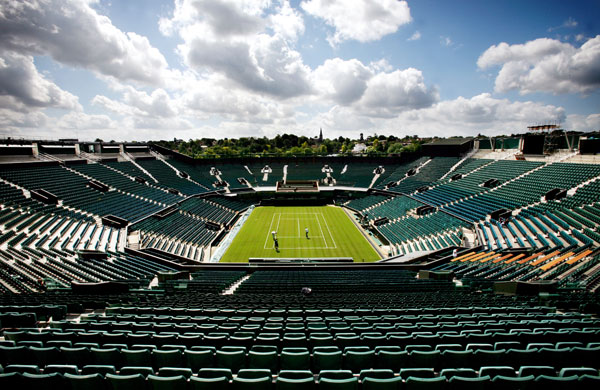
[388, 94]
[579, 122]
[545, 65]
[203, 100]
[22, 87]
[13, 120]
[156, 104]
[148, 110]
[226, 18]
[343, 82]
[287, 22]
[239, 107]
[82, 121]
[360, 20]
[258, 57]
[446, 41]
[148, 123]
[415, 37]
[264, 64]
[461, 116]
[569, 23]
[373, 91]
[73, 33]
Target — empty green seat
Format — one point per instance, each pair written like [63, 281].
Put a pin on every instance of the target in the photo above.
[101, 369]
[131, 370]
[85, 382]
[107, 356]
[555, 357]
[263, 359]
[501, 382]
[417, 383]
[251, 373]
[261, 383]
[394, 383]
[167, 358]
[215, 373]
[327, 360]
[156, 382]
[43, 356]
[46, 380]
[569, 371]
[80, 356]
[450, 372]
[126, 382]
[537, 370]
[283, 383]
[417, 372]
[448, 347]
[216, 383]
[22, 368]
[61, 369]
[467, 383]
[524, 357]
[294, 360]
[335, 374]
[424, 359]
[338, 384]
[555, 382]
[492, 371]
[391, 359]
[175, 371]
[234, 360]
[488, 357]
[136, 357]
[376, 373]
[359, 360]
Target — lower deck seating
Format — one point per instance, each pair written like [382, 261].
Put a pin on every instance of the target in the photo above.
[277, 339]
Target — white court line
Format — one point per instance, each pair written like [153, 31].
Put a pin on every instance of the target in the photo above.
[329, 230]
[322, 234]
[305, 249]
[269, 232]
[277, 228]
[299, 213]
[315, 215]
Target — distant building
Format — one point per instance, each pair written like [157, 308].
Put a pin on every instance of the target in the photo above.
[359, 148]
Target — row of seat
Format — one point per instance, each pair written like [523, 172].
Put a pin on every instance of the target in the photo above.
[334, 327]
[309, 318]
[404, 373]
[189, 341]
[267, 356]
[180, 379]
[291, 338]
[488, 305]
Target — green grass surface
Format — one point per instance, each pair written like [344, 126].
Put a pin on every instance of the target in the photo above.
[331, 234]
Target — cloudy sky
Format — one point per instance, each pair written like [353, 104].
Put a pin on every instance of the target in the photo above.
[158, 69]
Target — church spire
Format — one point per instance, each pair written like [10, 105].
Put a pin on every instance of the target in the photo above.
[320, 134]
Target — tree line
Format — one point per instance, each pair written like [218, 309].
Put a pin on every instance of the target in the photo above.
[289, 145]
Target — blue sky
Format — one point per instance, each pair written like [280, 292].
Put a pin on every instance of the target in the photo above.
[152, 69]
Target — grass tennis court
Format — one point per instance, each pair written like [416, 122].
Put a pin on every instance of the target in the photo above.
[330, 234]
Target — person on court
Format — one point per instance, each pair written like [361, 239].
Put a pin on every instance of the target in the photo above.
[306, 230]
